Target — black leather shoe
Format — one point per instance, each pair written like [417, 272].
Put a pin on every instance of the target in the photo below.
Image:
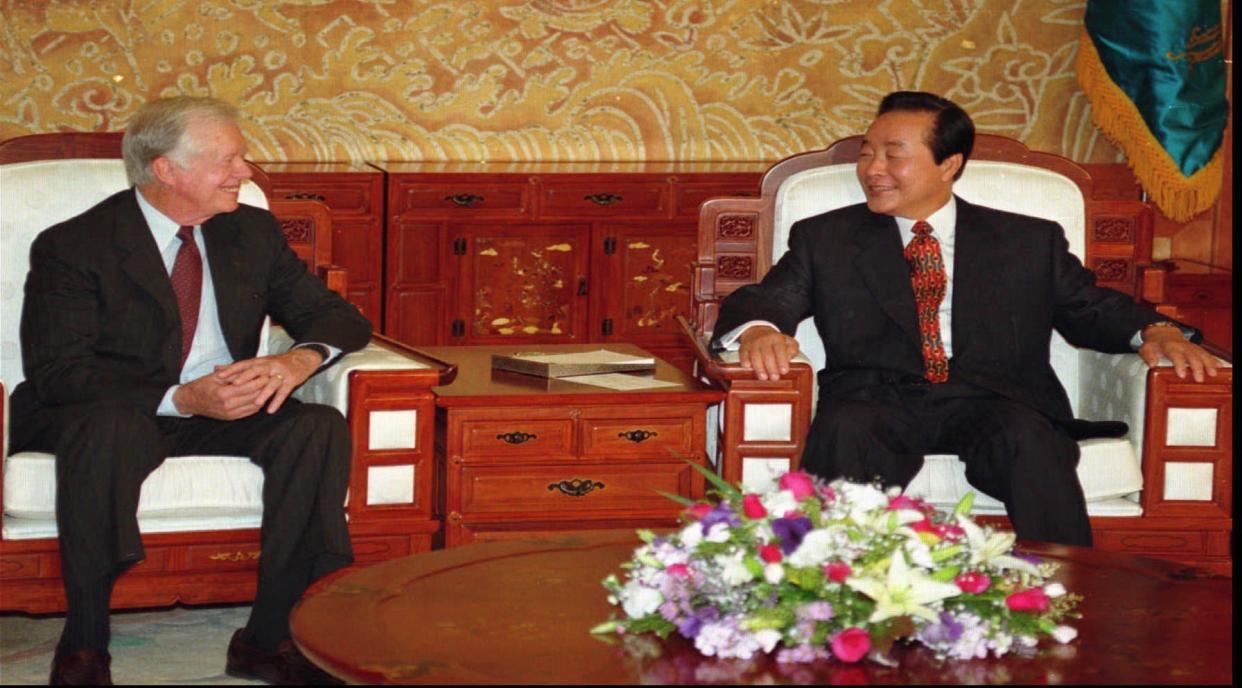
[284, 667]
[81, 668]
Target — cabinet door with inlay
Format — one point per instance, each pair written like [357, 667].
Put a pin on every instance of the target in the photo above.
[519, 283]
[643, 273]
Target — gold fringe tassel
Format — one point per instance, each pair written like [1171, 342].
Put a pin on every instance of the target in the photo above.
[1178, 196]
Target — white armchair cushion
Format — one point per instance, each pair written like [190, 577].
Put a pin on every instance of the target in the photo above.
[184, 493]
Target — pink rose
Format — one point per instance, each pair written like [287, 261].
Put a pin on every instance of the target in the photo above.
[851, 645]
[752, 507]
[903, 502]
[799, 483]
[678, 571]
[770, 553]
[837, 571]
[698, 511]
[973, 582]
[1029, 600]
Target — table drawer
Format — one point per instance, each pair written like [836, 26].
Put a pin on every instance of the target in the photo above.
[342, 198]
[583, 487]
[604, 198]
[464, 200]
[517, 437]
[663, 437]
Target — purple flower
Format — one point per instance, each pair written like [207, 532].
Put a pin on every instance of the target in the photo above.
[816, 611]
[1028, 557]
[722, 513]
[791, 531]
[946, 632]
[690, 626]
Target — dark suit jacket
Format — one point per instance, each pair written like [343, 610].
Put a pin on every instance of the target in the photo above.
[100, 318]
[1014, 281]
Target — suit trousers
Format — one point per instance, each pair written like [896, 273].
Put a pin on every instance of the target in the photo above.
[104, 450]
[1012, 452]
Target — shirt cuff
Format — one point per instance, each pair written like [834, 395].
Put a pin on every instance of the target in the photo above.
[333, 352]
[167, 407]
[729, 341]
[1136, 342]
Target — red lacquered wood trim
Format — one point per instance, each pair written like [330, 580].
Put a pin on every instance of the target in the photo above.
[1164, 391]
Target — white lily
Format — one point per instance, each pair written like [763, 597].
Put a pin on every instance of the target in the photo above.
[903, 592]
[993, 549]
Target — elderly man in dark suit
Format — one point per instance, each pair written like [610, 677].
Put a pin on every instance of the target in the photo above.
[139, 334]
[936, 316]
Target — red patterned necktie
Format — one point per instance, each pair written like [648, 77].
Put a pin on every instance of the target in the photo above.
[928, 278]
[187, 282]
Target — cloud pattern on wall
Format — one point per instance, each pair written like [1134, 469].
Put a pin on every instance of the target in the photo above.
[547, 79]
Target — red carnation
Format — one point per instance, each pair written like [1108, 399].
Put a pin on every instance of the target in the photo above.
[752, 507]
[771, 554]
[837, 571]
[1029, 600]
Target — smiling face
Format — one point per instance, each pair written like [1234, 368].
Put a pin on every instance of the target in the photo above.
[203, 176]
[897, 169]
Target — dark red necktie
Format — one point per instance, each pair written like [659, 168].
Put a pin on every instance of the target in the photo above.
[928, 278]
[187, 282]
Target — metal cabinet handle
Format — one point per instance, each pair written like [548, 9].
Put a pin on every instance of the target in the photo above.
[465, 200]
[516, 437]
[603, 198]
[637, 436]
[576, 487]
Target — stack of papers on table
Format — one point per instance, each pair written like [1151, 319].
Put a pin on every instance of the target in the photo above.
[570, 364]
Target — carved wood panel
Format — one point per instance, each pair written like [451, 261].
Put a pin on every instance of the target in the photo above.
[523, 283]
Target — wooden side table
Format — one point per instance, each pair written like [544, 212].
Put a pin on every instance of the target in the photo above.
[522, 456]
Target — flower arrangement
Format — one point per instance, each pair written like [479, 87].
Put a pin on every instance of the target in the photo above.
[841, 570]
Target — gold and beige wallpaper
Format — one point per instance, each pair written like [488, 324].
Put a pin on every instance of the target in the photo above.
[546, 79]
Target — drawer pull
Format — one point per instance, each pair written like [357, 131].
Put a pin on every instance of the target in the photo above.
[576, 487]
[305, 196]
[234, 556]
[603, 199]
[516, 437]
[464, 200]
[637, 436]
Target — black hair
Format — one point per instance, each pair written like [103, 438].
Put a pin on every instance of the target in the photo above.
[952, 130]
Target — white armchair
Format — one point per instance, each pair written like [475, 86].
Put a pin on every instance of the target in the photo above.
[1163, 490]
[199, 515]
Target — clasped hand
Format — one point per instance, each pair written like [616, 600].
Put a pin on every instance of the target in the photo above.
[241, 388]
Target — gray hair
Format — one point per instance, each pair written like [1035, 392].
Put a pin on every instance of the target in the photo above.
[158, 129]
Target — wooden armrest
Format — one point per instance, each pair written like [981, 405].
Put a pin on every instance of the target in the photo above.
[712, 366]
[447, 371]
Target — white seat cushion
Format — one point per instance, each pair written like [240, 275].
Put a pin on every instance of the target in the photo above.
[184, 493]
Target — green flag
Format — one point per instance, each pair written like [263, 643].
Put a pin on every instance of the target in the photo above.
[1154, 71]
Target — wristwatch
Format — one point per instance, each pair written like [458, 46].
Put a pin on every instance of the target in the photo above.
[1164, 323]
[320, 349]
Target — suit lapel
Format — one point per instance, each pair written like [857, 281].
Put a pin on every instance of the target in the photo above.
[141, 262]
[226, 275]
[885, 271]
[971, 288]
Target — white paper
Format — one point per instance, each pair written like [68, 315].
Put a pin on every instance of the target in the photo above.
[599, 357]
[619, 381]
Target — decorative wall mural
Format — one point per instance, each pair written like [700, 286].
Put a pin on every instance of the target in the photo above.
[545, 80]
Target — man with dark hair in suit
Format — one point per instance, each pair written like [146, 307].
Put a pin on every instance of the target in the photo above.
[139, 336]
[936, 316]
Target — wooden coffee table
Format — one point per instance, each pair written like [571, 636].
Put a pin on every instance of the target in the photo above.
[519, 613]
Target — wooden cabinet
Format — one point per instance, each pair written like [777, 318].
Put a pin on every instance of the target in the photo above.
[547, 253]
[354, 192]
[522, 456]
[1195, 293]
